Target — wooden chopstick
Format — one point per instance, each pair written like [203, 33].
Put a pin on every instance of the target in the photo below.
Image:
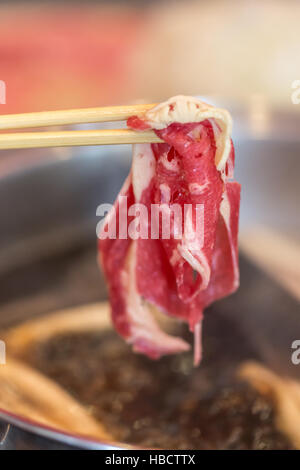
[72, 116]
[76, 138]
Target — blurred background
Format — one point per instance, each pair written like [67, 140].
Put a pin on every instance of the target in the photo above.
[66, 54]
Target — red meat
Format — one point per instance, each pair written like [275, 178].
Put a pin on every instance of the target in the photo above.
[197, 262]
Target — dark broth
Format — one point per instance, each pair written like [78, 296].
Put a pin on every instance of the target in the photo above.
[161, 404]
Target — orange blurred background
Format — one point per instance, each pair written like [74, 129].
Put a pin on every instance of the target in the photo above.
[58, 55]
[66, 56]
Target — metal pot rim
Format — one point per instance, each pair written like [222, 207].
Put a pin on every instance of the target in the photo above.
[61, 436]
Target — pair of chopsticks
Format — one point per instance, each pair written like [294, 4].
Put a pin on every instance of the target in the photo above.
[73, 138]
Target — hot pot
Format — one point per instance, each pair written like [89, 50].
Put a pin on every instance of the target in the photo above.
[48, 217]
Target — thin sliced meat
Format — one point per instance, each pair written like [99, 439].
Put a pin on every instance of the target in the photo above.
[182, 216]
